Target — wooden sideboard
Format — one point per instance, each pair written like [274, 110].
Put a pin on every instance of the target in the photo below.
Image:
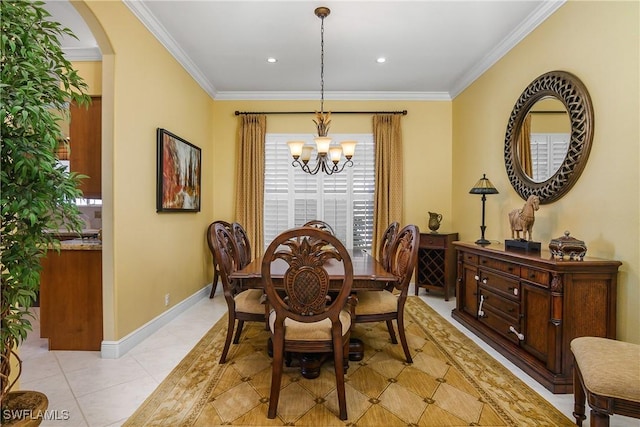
[529, 306]
[436, 269]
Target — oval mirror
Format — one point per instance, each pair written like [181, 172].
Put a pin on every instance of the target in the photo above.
[549, 136]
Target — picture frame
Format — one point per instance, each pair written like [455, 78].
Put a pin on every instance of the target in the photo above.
[179, 173]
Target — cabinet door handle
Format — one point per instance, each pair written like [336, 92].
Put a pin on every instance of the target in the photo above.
[476, 277]
[518, 334]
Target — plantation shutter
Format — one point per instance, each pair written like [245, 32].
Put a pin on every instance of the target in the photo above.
[344, 200]
[548, 151]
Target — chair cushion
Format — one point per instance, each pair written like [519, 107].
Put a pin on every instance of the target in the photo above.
[250, 301]
[376, 302]
[314, 331]
[609, 367]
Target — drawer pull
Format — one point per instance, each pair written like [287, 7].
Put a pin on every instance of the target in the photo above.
[480, 311]
[514, 290]
[484, 280]
[518, 334]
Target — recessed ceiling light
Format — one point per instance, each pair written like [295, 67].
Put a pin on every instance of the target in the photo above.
[381, 60]
[272, 60]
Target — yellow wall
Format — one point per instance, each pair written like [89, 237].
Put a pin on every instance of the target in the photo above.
[426, 133]
[599, 43]
[148, 254]
[91, 72]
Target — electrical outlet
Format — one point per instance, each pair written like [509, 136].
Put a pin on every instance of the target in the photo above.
[166, 299]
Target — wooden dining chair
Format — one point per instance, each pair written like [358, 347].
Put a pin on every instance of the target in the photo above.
[242, 305]
[243, 243]
[307, 320]
[387, 241]
[216, 269]
[320, 224]
[385, 305]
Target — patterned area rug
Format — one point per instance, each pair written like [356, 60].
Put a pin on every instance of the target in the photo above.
[452, 382]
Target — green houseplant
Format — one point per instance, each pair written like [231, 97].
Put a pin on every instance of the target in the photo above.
[37, 194]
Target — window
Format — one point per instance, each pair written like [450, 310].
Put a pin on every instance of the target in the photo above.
[344, 200]
[548, 151]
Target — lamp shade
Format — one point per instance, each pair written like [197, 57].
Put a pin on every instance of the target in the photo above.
[348, 148]
[322, 144]
[295, 147]
[483, 186]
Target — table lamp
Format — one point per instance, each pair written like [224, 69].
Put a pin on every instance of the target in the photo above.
[484, 187]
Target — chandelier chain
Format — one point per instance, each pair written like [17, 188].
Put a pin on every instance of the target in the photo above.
[322, 64]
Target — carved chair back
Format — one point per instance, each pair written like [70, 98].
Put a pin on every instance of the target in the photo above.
[321, 225]
[243, 244]
[388, 238]
[306, 281]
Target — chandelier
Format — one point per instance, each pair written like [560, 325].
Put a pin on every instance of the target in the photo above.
[328, 156]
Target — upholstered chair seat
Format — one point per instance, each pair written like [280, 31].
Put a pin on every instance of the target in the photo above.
[315, 331]
[376, 302]
[607, 375]
[250, 301]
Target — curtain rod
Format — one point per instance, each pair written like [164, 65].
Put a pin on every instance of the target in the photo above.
[403, 112]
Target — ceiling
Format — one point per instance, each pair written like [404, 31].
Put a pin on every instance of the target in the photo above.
[434, 49]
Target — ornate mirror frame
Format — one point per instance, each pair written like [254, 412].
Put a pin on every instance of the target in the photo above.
[568, 89]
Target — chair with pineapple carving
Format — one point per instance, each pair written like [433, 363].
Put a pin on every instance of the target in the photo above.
[304, 318]
[243, 305]
[387, 305]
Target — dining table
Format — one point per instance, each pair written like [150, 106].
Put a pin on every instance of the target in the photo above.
[368, 274]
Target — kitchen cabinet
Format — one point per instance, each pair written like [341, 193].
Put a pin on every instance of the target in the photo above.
[71, 296]
[85, 142]
[530, 306]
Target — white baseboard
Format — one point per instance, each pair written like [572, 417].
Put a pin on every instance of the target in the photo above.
[116, 349]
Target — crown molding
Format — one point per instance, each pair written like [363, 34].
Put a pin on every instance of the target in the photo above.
[82, 53]
[335, 96]
[148, 20]
[539, 15]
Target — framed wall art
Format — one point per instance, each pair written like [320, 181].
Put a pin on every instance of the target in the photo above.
[179, 174]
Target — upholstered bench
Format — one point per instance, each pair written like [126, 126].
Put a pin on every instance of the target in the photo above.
[607, 374]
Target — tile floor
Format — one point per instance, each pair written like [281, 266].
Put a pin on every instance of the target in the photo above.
[85, 390]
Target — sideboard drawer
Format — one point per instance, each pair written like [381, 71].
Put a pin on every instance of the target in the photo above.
[500, 325]
[500, 284]
[500, 265]
[539, 277]
[471, 259]
[508, 308]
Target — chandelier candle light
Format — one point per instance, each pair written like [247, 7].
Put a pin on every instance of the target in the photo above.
[328, 156]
